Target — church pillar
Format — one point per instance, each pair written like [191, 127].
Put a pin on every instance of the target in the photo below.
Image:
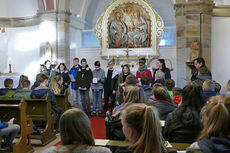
[193, 21]
[60, 23]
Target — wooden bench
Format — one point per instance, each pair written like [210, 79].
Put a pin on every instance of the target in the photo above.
[39, 110]
[18, 111]
[62, 101]
[113, 144]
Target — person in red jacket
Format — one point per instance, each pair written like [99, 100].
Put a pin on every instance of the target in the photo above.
[143, 70]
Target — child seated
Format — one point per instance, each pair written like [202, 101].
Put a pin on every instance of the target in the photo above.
[170, 84]
[25, 92]
[56, 85]
[42, 90]
[76, 135]
[8, 131]
[7, 91]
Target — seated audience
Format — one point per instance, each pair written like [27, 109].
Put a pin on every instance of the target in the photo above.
[56, 85]
[215, 136]
[25, 91]
[170, 84]
[141, 126]
[76, 135]
[162, 102]
[37, 81]
[209, 89]
[64, 72]
[132, 94]
[228, 88]
[8, 132]
[130, 80]
[145, 82]
[7, 92]
[204, 74]
[41, 91]
[183, 125]
[177, 95]
[217, 86]
[21, 80]
[152, 98]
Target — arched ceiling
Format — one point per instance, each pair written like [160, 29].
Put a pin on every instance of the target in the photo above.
[87, 10]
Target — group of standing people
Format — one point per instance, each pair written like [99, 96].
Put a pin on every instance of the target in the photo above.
[109, 81]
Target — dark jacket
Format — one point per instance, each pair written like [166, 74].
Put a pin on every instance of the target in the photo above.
[66, 79]
[114, 80]
[214, 145]
[23, 93]
[166, 72]
[148, 91]
[204, 77]
[35, 85]
[208, 94]
[84, 77]
[40, 92]
[74, 71]
[164, 107]
[3, 91]
[182, 125]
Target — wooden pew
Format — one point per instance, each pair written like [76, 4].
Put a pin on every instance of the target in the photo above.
[114, 144]
[18, 111]
[62, 101]
[40, 110]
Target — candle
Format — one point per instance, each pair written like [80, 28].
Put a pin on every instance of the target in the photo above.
[10, 60]
[138, 53]
[147, 55]
[108, 56]
[117, 53]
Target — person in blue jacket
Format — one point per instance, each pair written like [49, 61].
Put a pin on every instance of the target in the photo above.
[74, 87]
[8, 131]
[41, 91]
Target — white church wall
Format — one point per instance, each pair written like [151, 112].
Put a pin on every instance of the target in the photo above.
[22, 51]
[75, 43]
[220, 50]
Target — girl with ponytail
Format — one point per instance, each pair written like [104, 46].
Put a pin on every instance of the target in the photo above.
[215, 136]
[141, 126]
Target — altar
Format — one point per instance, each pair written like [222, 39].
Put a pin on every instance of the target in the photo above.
[129, 30]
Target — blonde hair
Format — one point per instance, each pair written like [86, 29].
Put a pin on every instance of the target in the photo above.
[133, 95]
[145, 120]
[208, 85]
[228, 86]
[54, 85]
[216, 118]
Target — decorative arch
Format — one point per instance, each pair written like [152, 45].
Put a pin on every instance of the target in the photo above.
[156, 26]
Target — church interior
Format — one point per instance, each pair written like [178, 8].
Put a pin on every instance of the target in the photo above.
[178, 31]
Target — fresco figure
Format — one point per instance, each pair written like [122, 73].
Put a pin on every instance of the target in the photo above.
[117, 31]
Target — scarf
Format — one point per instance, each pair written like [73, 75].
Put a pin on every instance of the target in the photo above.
[142, 70]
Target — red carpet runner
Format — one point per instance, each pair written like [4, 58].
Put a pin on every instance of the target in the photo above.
[98, 128]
